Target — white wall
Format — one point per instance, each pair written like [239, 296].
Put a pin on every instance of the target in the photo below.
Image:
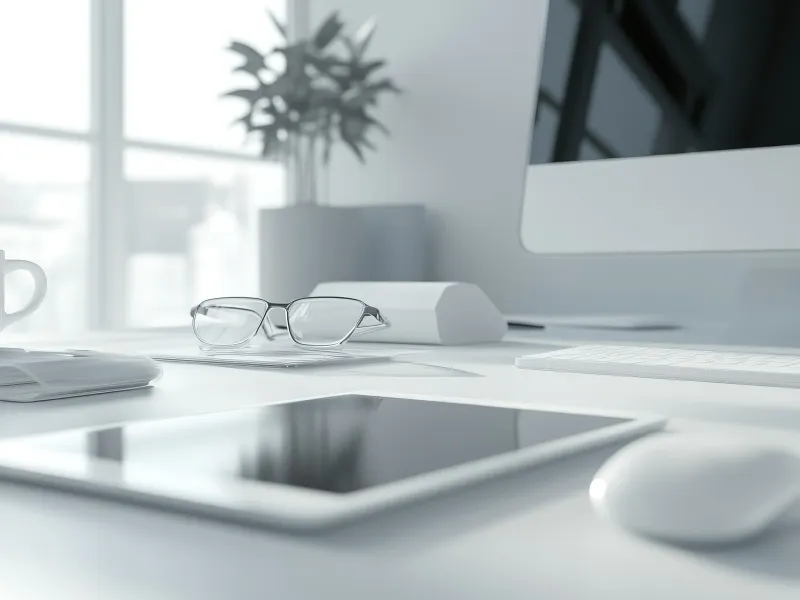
[460, 134]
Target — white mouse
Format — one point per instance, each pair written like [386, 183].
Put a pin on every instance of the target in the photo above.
[697, 489]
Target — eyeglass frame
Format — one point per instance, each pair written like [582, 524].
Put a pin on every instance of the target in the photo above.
[366, 311]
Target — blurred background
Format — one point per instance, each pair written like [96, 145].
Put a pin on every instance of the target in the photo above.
[111, 123]
[122, 175]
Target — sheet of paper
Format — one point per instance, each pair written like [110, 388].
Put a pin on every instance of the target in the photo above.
[277, 355]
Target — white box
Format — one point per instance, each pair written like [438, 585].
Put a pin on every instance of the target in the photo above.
[422, 312]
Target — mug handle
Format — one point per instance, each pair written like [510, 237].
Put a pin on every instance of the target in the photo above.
[39, 288]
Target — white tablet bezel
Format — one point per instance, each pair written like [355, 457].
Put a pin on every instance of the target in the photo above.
[294, 508]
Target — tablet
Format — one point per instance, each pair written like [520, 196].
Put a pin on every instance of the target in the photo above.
[313, 462]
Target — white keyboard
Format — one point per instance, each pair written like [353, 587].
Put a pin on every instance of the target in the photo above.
[781, 370]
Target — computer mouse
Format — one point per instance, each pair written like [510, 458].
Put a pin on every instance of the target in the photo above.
[697, 489]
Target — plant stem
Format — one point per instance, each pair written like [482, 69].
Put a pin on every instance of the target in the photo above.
[305, 154]
[312, 169]
[301, 170]
[297, 164]
[302, 164]
[325, 194]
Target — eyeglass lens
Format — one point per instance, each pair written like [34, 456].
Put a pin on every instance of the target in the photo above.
[323, 321]
[228, 321]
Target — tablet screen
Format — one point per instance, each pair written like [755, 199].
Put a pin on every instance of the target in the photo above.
[338, 444]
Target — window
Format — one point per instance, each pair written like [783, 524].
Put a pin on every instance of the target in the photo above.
[120, 170]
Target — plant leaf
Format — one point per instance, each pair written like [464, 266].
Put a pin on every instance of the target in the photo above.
[270, 141]
[268, 145]
[384, 84]
[328, 31]
[366, 69]
[246, 120]
[325, 64]
[354, 127]
[350, 45]
[280, 88]
[278, 25]
[377, 124]
[327, 138]
[363, 36]
[367, 144]
[356, 150]
[345, 130]
[253, 59]
[250, 95]
[296, 60]
[360, 96]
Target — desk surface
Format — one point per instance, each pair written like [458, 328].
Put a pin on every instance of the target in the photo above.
[529, 536]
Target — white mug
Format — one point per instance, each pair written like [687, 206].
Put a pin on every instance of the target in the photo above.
[39, 288]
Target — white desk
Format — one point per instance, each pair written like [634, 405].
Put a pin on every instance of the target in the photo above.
[530, 536]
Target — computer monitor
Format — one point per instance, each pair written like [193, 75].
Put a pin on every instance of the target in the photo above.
[665, 126]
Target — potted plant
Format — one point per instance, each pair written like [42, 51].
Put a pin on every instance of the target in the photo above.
[309, 96]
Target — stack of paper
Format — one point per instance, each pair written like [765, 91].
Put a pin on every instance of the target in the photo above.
[29, 376]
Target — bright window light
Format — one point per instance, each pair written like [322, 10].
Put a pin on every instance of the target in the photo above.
[45, 66]
[120, 171]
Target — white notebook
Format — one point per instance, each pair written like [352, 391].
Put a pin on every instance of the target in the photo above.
[31, 376]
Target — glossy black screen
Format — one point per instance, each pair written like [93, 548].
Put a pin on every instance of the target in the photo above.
[337, 444]
[628, 78]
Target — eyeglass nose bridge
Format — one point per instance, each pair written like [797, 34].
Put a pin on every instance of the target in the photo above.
[273, 325]
[277, 315]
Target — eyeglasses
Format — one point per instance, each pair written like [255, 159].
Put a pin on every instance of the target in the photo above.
[324, 321]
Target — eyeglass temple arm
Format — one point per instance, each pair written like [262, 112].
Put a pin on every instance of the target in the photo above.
[371, 311]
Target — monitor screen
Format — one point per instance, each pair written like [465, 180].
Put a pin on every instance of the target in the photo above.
[632, 78]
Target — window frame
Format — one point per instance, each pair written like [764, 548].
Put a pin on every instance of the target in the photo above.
[107, 297]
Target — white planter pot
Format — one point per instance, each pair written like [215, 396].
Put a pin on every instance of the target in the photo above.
[396, 236]
[301, 246]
